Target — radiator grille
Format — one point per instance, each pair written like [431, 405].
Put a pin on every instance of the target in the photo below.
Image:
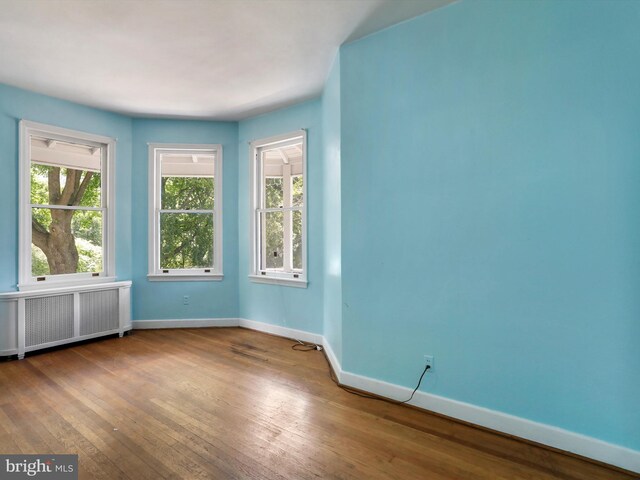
[98, 311]
[48, 319]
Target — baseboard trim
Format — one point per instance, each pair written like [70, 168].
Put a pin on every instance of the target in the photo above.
[278, 330]
[517, 426]
[185, 323]
[281, 331]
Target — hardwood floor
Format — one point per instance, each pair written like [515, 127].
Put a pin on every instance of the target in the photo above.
[229, 403]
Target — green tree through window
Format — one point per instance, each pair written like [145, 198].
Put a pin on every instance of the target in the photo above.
[186, 238]
[65, 240]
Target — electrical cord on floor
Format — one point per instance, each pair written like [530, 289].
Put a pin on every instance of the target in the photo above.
[308, 347]
[305, 347]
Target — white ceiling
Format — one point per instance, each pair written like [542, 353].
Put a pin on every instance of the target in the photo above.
[215, 59]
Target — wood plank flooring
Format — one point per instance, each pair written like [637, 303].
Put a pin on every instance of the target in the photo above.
[230, 403]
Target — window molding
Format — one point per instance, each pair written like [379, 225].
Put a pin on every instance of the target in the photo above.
[155, 273]
[26, 281]
[184, 277]
[291, 279]
[288, 282]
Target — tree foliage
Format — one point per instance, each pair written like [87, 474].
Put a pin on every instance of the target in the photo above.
[274, 222]
[297, 193]
[186, 239]
[70, 240]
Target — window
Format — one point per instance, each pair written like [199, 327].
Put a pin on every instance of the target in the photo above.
[185, 217]
[66, 207]
[279, 210]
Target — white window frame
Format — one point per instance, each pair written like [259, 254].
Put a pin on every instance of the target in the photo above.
[26, 281]
[292, 279]
[190, 274]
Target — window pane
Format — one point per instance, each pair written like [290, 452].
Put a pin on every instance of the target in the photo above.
[39, 263]
[54, 185]
[273, 240]
[187, 180]
[186, 240]
[296, 239]
[273, 194]
[66, 241]
[297, 191]
[187, 193]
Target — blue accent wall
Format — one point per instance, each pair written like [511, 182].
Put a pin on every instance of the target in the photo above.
[163, 300]
[299, 308]
[16, 105]
[490, 209]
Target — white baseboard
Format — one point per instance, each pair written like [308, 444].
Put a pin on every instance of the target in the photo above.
[185, 323]
[281, 331]
[520, 427]
[230, 322]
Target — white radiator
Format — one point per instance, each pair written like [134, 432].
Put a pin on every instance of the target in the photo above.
[40, 319]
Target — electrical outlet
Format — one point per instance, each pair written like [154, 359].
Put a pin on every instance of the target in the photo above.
[428, 360]
[185, 300]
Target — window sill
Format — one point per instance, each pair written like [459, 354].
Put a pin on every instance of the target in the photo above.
[287, 282]
[168, 277]
[61, 284]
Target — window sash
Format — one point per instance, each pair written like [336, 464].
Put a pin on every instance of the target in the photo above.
[287, 239]
[102, 209]
[283, 209]
[213, 210]
[91, 250]
[67, 207]
[213, 240]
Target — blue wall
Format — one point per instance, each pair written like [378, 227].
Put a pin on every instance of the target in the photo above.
[16, 105]
[490, 172]
[150, 300]
[332, 210]
[286, 306]
[163, 300]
